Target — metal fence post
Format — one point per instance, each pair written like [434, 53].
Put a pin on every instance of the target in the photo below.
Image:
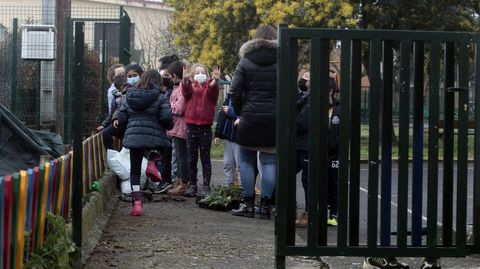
[77, 136]
[13, 72]
[125, 24]
[67, 119]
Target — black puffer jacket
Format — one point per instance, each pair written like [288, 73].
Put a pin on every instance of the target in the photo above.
[303, 120]
[147, 115]
[254, 93]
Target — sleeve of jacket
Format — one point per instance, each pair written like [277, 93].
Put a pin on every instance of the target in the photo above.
[220, 124]
[213, 91]
[231, 113]
[177, 102]
[187, 90]
[221, 118]
[165, 113]
[237, 88]
[108, 120]
[123, 115]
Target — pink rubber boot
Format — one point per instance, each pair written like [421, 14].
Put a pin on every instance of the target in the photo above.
[137, 205]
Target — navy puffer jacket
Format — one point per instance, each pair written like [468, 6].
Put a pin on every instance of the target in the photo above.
[147, 115]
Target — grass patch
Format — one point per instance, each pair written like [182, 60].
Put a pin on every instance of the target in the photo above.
[217, 150]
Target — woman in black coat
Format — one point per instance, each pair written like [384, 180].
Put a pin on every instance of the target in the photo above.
[147, 115]
[254, 94]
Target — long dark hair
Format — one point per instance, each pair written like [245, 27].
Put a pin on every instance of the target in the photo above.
[151, 79]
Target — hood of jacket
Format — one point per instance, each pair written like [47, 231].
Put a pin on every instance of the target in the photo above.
[260, 51]
[141, 99]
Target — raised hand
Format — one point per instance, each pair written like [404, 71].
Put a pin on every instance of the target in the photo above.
[187, 71]
[216, 72]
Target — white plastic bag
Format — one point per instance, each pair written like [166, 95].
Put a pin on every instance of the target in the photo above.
[119, 162]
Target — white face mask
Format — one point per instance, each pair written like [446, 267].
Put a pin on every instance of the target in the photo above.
[200, 78]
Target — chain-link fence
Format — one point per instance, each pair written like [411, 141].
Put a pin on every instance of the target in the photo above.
[36, 58]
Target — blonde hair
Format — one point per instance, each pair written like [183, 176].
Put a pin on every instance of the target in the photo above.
[194, 67]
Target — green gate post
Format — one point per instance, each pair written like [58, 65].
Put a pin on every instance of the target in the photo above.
[403, 144]
[356, 118]
[77, 136]
[373, 142]
[67, 119]
[433, 114]
[125, 25]
[448, 141]
[284, 231]
[462, 154]
[344, 144]
[476, 175]
[13, 72]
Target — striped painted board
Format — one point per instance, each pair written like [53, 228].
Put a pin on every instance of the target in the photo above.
[15, 216]
[22, 216]
[7, 219]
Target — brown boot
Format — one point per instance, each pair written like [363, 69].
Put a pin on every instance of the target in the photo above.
[179, 189]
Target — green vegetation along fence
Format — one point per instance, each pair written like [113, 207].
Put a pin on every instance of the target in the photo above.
[385, 232]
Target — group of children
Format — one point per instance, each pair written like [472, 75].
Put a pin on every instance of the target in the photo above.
[158, 112]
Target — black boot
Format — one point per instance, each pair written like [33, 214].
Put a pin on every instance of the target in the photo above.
[246, 209]
[264, 211]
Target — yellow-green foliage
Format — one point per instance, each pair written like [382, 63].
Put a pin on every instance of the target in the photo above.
[215, 30]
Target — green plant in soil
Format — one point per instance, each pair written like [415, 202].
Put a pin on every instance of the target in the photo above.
[57, 248]
[221, 195]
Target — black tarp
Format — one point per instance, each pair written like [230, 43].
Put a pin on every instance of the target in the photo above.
[21, 147]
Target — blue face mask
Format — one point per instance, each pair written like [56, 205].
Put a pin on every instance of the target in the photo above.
[133, 80]
[201, 78]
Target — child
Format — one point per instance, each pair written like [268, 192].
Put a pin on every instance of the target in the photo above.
[226, 129]
[119, 95]
[179, 132]
[201, 96]
[147, 115]
[113, 71]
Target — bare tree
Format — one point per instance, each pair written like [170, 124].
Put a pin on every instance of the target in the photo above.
[158, 41]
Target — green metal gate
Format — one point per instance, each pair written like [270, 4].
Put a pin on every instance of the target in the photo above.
[97, 63]
[409, 59]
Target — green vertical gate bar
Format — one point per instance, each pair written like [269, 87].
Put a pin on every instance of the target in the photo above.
[125, 25]
[318, 174]
[386, 185]
[373, 141]
[67, 99]
[417, 163]
[476, 172]
[324, 77]
[448, 141]
[432, 192]
[462, 163]
[292, 95]
[314, 145]
[286, 138]
[77, 135]
[13, 71]
[344, 143]
[355, 103]
[403, 146]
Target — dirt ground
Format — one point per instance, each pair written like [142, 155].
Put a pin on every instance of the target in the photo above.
[179, 234]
